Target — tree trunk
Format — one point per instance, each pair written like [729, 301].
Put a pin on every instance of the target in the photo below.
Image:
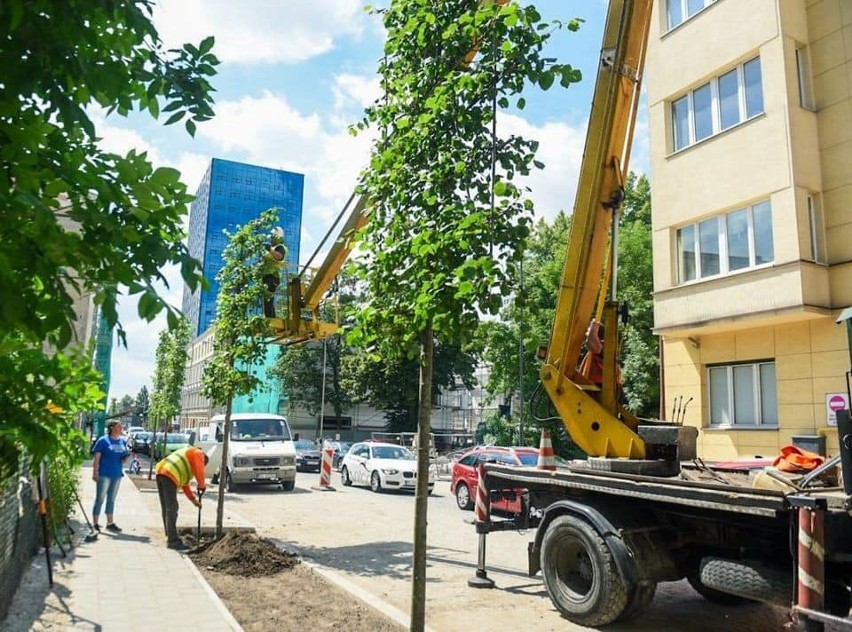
[424, 444]
[223, 469]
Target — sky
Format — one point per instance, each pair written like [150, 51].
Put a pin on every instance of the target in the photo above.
[293, 77]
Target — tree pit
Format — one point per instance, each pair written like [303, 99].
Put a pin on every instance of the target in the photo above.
[241, 553]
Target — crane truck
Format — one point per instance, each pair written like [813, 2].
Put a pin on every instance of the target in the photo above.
[642, 509]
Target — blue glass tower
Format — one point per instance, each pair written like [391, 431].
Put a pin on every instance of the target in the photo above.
[230, 194]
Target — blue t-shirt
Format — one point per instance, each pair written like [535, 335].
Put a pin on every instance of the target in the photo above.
[112, 451]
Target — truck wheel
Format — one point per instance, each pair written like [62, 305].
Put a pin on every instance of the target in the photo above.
[344, 477]
[215, 479]
[639, 601]
[231, 486]
[580, 573]
[463, 497]
[376, 482]
[288, 486]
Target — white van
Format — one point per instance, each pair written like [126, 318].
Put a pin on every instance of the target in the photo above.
[260, 451]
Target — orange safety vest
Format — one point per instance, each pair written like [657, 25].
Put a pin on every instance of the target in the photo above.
[181, 465]
[796, 460]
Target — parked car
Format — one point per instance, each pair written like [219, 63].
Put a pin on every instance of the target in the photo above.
[164, 445]
[465, 475]
[307, 456]
[141, 442]
[381, 466]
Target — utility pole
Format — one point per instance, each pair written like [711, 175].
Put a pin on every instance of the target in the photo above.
[322, 395]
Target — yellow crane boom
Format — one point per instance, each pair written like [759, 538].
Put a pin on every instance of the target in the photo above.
[591, 414]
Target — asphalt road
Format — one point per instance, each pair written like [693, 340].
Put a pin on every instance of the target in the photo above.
[367, 539]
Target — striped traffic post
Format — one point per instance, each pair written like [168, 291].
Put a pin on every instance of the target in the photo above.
[482, 509]
[325, 471]
[810, 572]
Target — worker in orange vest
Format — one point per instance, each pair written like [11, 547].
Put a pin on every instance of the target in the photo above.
[177, 470]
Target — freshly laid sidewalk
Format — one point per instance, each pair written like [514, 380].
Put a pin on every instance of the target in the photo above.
[127, 581]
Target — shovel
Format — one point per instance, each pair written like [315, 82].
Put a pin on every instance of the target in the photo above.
[200, 493]
[92, 535]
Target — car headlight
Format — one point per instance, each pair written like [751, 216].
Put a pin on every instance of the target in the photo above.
[390, 471]
[287, 460]
[240, 462]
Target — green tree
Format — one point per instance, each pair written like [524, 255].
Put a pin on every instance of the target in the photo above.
[447, 220]
[392, 384]
[300, 369]
[169, 374]
[240, 330]
[141, 405]
[126, 404]
[77, 218]
[639, 345]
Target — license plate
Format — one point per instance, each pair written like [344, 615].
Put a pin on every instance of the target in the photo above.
[265, 476]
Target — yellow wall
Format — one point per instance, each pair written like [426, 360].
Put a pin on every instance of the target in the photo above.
[811, 359]
[785, 311]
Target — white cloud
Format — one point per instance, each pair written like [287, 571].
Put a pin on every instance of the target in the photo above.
[262, 31]
[561, 151]
[268, 131]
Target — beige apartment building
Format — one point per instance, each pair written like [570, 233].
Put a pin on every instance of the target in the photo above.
[750, 117]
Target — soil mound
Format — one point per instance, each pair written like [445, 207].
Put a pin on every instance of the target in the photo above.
[244, 554]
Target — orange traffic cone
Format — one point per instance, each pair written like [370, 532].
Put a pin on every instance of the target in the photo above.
[546, 456]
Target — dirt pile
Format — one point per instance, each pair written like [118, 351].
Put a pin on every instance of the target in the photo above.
[243, 554]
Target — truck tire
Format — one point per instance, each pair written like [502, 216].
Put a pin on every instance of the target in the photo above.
[288, 486]
[711, 594]
[743, 581]
[580, 573]
[230, 485]
[639, 601]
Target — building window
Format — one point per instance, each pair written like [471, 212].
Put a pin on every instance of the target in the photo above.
[678, 11]
[743, 395]
[803, 72]
[816, 230]
[723, 102]
[726, 243]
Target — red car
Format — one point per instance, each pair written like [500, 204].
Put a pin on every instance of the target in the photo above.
[465, 473]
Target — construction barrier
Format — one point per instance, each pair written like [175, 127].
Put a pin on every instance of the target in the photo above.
[325, 467]
[482, 507]
[546, 455]
[811, 571]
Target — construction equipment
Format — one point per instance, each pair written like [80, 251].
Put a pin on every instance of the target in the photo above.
[200, 493]
[638, 512]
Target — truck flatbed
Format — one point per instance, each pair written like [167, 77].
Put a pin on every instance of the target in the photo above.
[728, 491]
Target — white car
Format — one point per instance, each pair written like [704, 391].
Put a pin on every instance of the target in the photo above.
[382, 466]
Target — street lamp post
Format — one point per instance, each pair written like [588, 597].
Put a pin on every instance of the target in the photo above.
[322, 392]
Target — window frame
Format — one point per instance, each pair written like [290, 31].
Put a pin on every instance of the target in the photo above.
[805, 77]
[723, 243]
[685, 15]
[816, 228]
[758, 398]
[678, 144]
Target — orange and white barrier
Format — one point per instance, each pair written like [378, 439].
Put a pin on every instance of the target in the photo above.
[325, 467]
[482, 506]
[546, 455]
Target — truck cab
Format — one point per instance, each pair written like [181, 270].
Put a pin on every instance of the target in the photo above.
[260, 451]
